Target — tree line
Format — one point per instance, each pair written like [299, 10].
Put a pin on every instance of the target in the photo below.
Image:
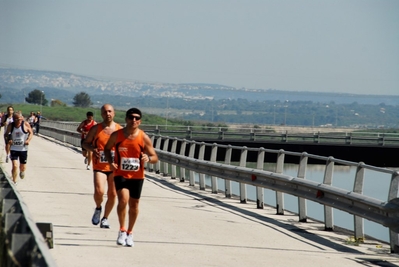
[38, 97]
[243, 111]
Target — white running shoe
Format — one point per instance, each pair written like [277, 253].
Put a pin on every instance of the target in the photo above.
[121, 238]
[96, 217]
[22, 175]
[104, 223]
[129, 240]
[88, 167]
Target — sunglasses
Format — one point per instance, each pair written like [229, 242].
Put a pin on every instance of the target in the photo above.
[131, 117]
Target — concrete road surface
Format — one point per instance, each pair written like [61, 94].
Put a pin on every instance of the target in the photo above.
[178, 225]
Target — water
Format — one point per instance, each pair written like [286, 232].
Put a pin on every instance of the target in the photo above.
[376, 185]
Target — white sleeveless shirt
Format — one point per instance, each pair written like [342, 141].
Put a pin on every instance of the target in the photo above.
[19, 136]
[8, 121]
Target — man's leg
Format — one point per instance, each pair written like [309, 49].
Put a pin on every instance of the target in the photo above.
[111, 195]
[123, 199]
[133, 213]
[99, 183]
[22, 169]
[89, 155]
[14, 170]
[99, 187]
[7, 147]
[23, 159]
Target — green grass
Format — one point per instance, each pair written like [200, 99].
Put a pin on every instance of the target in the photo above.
[77, 114]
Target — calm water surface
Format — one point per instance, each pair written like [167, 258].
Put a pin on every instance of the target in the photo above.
[376, 185]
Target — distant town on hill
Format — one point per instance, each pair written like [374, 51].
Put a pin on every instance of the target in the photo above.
[209, 102]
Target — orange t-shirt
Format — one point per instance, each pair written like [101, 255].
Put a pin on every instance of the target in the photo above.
[99, 142]
[128, 156]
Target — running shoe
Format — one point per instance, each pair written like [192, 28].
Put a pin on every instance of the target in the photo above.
[104, 223]
[7, 159]
[96, 216]
[121, 238]
[129, 240]
[88, 167]
[86, 161]
[22, 175]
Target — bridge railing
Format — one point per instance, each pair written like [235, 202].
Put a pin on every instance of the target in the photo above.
[182, 158]
[22, 241]
[255, 134]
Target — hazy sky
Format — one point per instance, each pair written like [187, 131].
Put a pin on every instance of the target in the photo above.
[349, 46]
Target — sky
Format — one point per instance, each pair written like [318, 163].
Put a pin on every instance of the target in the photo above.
[341, 46]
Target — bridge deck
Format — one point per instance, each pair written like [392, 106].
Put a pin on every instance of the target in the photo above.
[178, 225]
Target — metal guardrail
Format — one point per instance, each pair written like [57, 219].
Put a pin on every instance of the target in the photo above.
[22, 242]
[337, 138]
[353, 202]
[255, 134]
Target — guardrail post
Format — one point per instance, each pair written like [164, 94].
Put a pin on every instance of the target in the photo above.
[243, 186]
[158, 146]
[328, 211]
[189, 133]
[183, 153]
[201, 175]
[191, 155]
[150, 166]
[214, 179]
[358, 188]
[251, 136]
[394, 193]
[221, 134]
[47, 231]
[227, 161]
[349, 139]
[279, 195]
[259, 190]
[157, 131]
[165, 164]
[173, 150]
[381, 140]
[316, 137]
[285, 137]
[303, 163]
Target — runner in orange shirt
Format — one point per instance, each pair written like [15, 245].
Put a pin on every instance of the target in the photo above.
[102, 173]
[133, 149]
[83, 129]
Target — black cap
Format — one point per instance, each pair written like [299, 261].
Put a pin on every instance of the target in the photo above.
[133, 111]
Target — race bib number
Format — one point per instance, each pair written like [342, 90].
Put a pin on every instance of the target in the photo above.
[103, 159]
[18, 142]
[130, 164]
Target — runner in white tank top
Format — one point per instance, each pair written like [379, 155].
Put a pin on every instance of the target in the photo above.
[18, 135]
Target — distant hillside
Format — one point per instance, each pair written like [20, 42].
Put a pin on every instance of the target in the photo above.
[209, 102]
[64, 86]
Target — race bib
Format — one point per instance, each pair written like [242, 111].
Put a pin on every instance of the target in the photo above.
[103, 159]
[18, 142]
[130, 164]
